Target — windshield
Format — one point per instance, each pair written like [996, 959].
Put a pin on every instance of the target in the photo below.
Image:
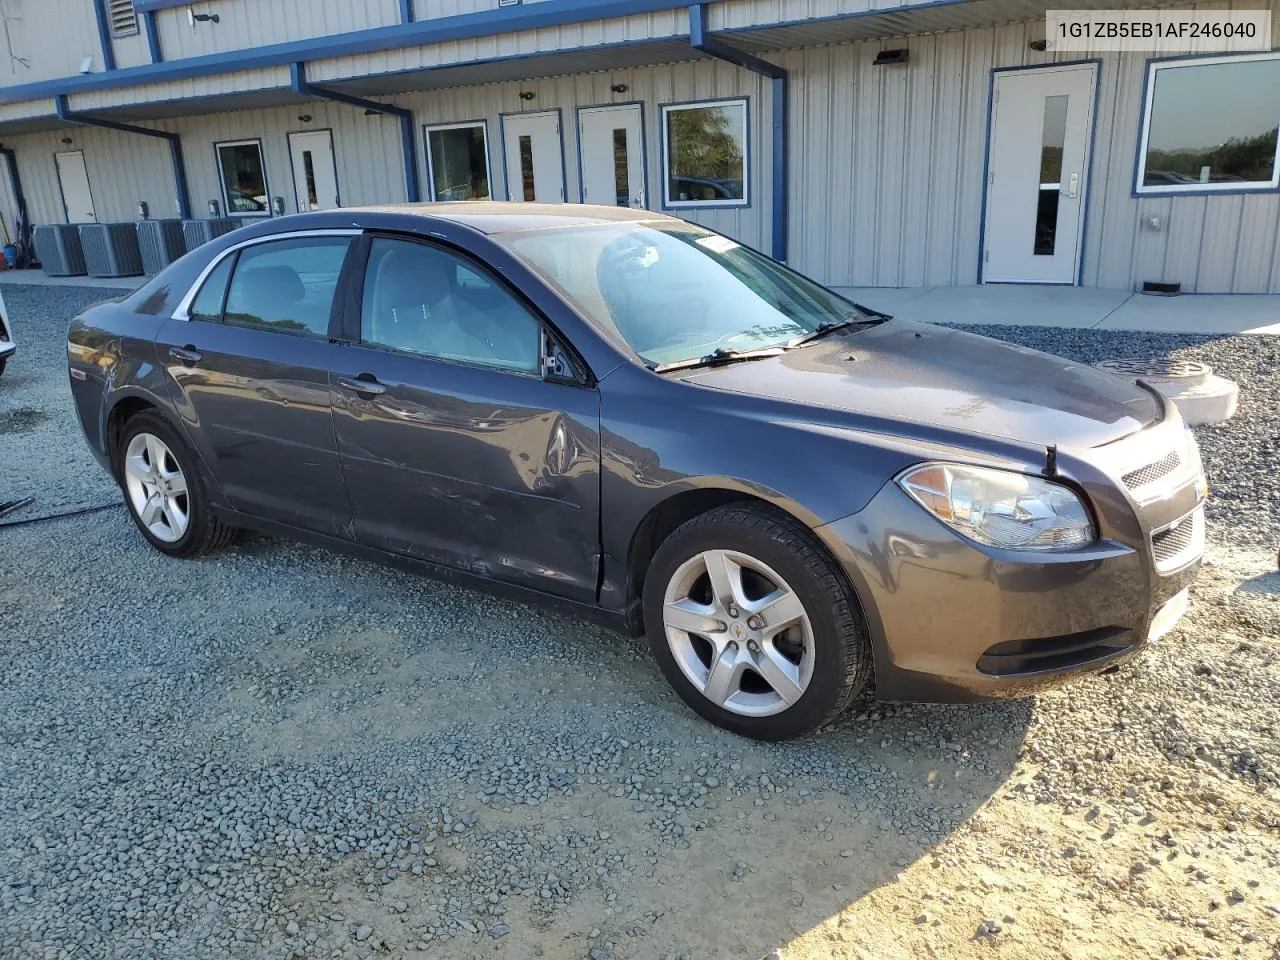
[673, 291]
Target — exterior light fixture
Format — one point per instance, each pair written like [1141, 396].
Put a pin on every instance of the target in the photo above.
[527, 94]
[67, 140]
[304, 118]
[619, 88]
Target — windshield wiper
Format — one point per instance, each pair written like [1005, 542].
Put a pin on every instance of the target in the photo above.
[865, 317]
[718, 356]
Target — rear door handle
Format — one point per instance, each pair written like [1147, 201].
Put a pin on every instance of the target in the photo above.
[364, 385]
[188, 355]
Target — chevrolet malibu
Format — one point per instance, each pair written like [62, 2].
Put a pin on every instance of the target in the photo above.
[795, 498]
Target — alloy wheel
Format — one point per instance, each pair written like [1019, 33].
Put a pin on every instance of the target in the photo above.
[157, 487]
[739, 633]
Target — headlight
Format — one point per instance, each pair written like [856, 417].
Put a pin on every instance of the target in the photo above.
[1000, 508]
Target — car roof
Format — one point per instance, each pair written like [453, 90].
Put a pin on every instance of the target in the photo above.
[501, 216]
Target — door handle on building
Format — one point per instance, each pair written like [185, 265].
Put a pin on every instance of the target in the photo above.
[1073, 186]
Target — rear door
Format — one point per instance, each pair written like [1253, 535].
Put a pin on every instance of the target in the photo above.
[456, 446]
[249, 371]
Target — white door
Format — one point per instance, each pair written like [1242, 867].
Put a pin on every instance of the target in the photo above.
[535, 157]
[315, 179]
[611, 141]
[1036, 175]
[73, 178]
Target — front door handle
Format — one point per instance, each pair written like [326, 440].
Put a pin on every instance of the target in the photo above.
[1073, 186]
[364, 385]
[188, 355]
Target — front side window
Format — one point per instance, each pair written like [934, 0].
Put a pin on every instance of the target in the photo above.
[458, 156]
[1210, 124]
[286, 285]
[673, 291]
[244, 178]
[425, 300]
[705, 154]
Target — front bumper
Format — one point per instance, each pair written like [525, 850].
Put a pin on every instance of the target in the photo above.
[951, 620]
[7, 347]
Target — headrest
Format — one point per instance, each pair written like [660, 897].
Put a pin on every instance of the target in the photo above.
[411, 277]
[265, 290]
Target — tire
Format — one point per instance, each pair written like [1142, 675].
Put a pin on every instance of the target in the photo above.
[826, 649]
[3, 361]
[202, 530]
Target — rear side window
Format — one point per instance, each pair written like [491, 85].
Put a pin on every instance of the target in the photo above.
[208, 302]
[286, 285]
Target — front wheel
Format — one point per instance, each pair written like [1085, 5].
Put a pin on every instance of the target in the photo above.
[753, 624]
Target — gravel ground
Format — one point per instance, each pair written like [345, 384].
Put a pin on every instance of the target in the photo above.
[280, 752]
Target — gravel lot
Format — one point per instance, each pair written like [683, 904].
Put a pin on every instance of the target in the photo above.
[280, 752]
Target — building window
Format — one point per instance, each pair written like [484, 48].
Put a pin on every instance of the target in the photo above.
[244, 178]
[1210, 126]
[705, 154]
[458, 161]
[124, 19]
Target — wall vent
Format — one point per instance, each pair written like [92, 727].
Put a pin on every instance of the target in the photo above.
[124, 19]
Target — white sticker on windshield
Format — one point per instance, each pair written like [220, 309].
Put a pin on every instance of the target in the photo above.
[717, 244]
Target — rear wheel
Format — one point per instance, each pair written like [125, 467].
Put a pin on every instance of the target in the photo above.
[753, 624]
[164, 491]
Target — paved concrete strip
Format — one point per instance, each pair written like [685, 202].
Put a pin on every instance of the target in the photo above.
[1198, 313]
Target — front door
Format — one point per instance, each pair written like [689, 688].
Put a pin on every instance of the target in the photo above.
[73, 178]
[1037, 174]
[455, 447]
[611, 140]
[535, 157]
[249, 373]
[315, 178]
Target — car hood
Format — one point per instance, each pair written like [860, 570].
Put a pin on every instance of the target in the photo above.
[928, 374]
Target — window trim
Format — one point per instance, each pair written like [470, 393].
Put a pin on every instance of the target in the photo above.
[352, 332]
[427, 128]
[1141, 190]
[663, 111]
[183, 310]
[222, 180]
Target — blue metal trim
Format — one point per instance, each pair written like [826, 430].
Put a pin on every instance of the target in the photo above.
[467, 26]
[104, 34]
[1148, 74]
[644, 144]
[483, 123]
[986, 155]
[153, 5]
[502, 146]
[153, 36]
[747, 192]
[412, 187]
[699, 39]
[173, 139]
[406, 11]
[22, 230]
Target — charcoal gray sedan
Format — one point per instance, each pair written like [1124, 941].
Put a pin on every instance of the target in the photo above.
[797, 499]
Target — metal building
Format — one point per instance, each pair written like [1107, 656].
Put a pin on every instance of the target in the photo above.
[862, 142]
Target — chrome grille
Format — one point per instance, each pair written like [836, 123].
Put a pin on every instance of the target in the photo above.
[1153, 471]
[1179, 543]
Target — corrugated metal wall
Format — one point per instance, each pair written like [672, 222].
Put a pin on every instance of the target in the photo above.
[749, 13]
[48, 39]
[263, 78]
[886, 188]
[253, 23]
[665, 23]
[123, 169]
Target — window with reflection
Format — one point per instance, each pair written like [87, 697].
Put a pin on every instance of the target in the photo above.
[705, 154]
[286, 285]
[458, 156]
[244, 178]
[1211, 124]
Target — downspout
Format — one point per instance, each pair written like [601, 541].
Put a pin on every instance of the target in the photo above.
[406, 11]
[700, 40]
[174, 141]
[22, 230]
[104, 34]
[298, 81]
